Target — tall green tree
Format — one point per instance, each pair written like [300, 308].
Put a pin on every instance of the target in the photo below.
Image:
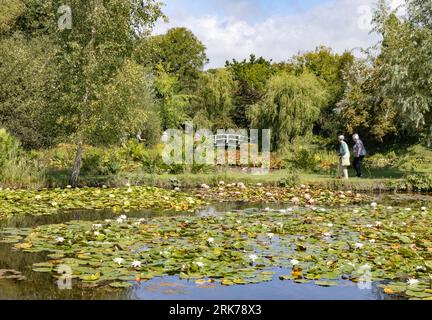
[27, 85]
[215, 100]
[251, 76]
[290, 107]
[405, 65]
[329, 67]
[179, 52]
[102, 92]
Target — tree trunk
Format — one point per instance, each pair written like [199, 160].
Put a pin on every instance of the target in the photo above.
[77, 166]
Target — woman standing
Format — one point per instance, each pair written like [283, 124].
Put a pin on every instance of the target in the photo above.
[344, 158]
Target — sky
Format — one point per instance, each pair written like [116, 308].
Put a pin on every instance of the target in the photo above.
[274, 29]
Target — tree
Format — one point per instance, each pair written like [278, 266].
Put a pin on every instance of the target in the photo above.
[251, 77]
[290, 107]
[27, 73]
[102, 92]
[173, 104]
[215, 100]
[405, 65]
[363, 109]
[179, 52]
[329, 67]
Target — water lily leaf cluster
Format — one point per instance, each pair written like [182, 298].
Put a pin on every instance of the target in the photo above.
[301, 196]
[367, 244]
[47, 202]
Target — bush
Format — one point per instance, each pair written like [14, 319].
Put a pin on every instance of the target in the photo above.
[309, 156]
[101, 161]
[17, 168]
[419, 182]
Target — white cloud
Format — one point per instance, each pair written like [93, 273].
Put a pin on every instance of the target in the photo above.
[339, 24]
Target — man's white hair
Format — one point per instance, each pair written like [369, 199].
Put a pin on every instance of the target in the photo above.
[356, 137]
[341, 137]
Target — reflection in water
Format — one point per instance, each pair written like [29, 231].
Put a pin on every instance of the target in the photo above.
[43, 286]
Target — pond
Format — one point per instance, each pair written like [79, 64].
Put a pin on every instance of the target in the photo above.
[275, 277]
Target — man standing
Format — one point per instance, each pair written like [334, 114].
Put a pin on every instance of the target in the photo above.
[359, 154]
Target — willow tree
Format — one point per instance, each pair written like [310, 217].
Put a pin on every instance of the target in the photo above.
[405, 63]
[102, 92]
[215, 100]
[290, 107]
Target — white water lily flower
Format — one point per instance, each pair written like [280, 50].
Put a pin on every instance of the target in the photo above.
[129, 190]
[330, 225]
[238, 221]
[97, 226]
[253, 257]
[141, 220]
[104, 187]
[420, 268]
[97, 233]
[119, 261]
[69, 186]
[359, 245]
[60, 239]
[423, 208]
[408, 209]
[323, 210]
[270, 235]
[38, 197]
[280, 224]
[259, 184]
[199, 264]
[282, 211]
[136, 264]
[374, 205]
[389, 208]
[294, 262]
[356, 211]
[221, 183]
[369, 226]
[267, 209]
[112, 195]
[327, 234]
[210, 240]
[119, 220]
[128, 184]
[412, 282]
[378, 224]
[372, 240]
[123, 217]
[108, 220]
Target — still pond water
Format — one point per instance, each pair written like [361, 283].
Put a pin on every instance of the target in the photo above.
[43, 286]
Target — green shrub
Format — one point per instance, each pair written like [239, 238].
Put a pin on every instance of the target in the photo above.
[101, 161]
[419, 182]
[17, 168]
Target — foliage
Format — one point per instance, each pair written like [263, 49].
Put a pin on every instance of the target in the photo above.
[290, 107]
[27, 71]
[405, 66]
[251, 77]
[419, 182]
[17, 168]
[179, 52]
[330, 68]
[214, 100]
